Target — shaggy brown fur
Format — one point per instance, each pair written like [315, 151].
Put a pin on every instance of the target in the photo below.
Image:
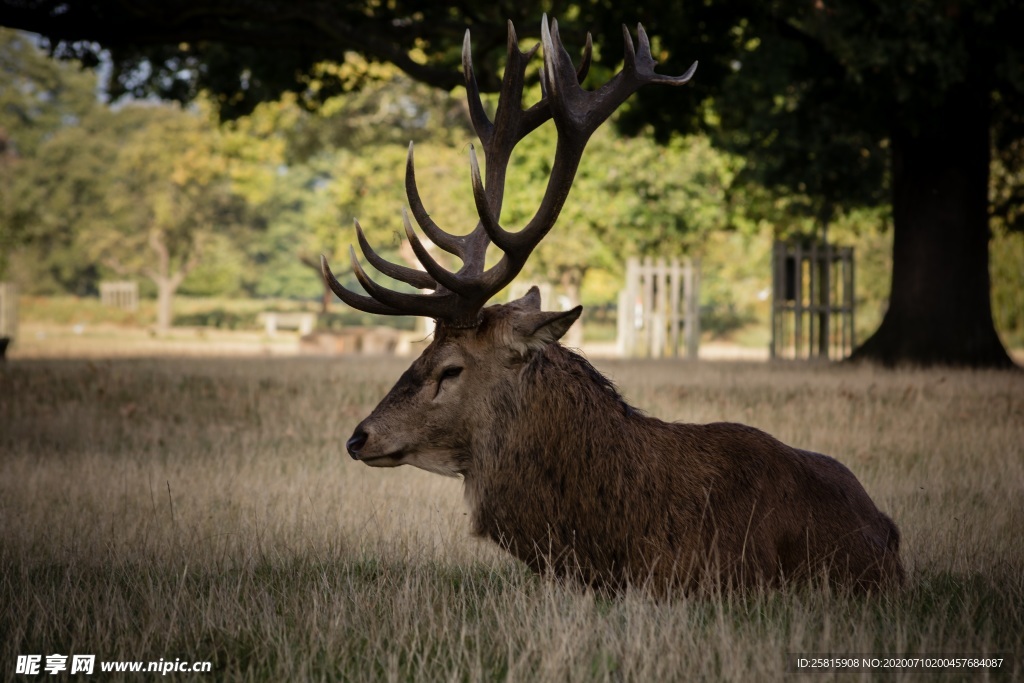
[573, 481]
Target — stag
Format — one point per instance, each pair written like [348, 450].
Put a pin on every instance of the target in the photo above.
[557, 467]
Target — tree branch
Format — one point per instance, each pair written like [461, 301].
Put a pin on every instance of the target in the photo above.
[115, 265]
[305, 27]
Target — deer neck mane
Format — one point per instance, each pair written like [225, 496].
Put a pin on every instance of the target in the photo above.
[552, 459]
[557, 373]
[556, 415]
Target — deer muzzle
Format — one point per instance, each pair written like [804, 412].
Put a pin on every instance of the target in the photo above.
[356, 442]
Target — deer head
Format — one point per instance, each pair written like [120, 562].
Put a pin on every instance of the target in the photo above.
[439, 408]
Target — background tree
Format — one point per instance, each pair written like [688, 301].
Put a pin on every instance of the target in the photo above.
[346, 160]
[631, 197]
[139, 191]
[170, 192]
[859, 103]
[38, 98]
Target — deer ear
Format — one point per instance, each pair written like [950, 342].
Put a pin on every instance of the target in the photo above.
[541, 328]
[529, 301]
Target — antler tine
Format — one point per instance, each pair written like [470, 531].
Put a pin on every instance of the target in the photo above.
[588, 110]
[628, 51]
[359, 302]
[445, 278]
[649, 62]
[411, 276]
[481, 123]
[645, 42]
[432, 305]
[584, 68]
[450, 243]
[498, 235]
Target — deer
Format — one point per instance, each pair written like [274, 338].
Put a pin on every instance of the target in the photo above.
[557, 467]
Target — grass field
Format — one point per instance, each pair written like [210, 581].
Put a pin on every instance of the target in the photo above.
[204, 510]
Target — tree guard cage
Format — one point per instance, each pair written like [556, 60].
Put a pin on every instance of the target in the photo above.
[812, 301]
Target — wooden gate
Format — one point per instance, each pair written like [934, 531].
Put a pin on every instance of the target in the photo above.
[658, 309]
[123, 294]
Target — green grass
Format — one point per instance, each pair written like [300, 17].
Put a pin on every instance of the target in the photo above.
[205, 510]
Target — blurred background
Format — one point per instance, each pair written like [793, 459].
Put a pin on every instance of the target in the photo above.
[169, 177]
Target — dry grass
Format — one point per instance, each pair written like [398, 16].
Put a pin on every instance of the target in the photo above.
[204, 509]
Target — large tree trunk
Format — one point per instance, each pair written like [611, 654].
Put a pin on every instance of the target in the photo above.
[939, 308]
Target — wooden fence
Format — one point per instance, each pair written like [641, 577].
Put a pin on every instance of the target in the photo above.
[658, 309]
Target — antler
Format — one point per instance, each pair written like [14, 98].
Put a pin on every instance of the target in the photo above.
[459, 296]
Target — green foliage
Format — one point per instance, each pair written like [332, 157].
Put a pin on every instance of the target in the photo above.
[60, 192]
[38, 98]
[221, 271]
[262, 194]
[810, 93]
[38, 95]
[1007, 271]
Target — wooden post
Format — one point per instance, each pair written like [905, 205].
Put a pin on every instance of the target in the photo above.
[675, 284]
[628, 313]
[647, 277]
[853, 303]
[123, 294]
[657, 333]
[8, 311]
[633, 294]
[773, 345]
[622, 323]
[812, 286]
[668, 294]
[824, 301]
[798, 300]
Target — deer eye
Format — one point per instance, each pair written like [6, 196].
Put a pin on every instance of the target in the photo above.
[450, 373]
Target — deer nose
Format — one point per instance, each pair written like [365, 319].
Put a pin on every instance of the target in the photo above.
[356, 442]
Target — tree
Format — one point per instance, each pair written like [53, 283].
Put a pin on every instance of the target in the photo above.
[38, 98]
[343, 161]
[845, 100]
[138, 191]
[849, 103]
[631, 197]
[169, 191]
